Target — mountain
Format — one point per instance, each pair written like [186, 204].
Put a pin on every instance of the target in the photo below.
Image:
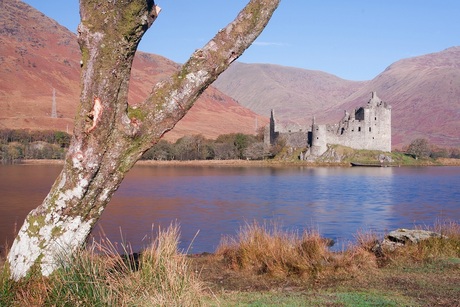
[295, 94]
[38, 55]
[424, 93]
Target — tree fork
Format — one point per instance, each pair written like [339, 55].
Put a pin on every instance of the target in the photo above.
[109, 137]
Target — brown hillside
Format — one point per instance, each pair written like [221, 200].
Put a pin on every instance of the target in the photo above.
[424, 92]
[295, 94]
[37, 55]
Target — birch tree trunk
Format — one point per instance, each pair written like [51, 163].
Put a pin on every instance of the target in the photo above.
[109, 136]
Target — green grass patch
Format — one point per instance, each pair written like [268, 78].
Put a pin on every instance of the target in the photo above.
[311, 298]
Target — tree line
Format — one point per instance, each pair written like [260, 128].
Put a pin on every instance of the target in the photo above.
[224, 147]
[16, 145]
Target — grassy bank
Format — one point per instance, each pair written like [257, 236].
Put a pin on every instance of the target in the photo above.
[262, 266]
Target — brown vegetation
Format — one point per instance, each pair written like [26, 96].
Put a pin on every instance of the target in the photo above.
[262, 264]
[267, 259]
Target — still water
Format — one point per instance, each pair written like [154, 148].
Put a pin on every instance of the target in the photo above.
[211, 202]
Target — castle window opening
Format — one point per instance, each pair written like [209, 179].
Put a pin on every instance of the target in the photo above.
[359, 129]
[370, 129]
[375, 118]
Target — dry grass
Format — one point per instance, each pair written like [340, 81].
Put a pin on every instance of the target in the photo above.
[269, 250]
[164, 277]
[262, 259]
[99, 276]
[267, 266]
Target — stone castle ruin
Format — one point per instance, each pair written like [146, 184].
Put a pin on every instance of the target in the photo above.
[368, 127]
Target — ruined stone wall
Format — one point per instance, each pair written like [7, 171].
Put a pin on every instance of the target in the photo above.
[368, 127]
[296, 139]
[293, 134]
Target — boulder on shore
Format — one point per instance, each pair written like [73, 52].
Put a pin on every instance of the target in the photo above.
[403, 237]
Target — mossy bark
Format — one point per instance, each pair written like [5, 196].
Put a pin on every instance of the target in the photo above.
[108, 136]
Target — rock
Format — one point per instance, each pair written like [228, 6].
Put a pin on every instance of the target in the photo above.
[385, 159]
[403, 237]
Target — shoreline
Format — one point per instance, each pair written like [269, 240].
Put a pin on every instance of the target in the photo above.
[217, 163]
[244, 163]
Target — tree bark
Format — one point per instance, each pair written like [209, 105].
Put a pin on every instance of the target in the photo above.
[110, 136]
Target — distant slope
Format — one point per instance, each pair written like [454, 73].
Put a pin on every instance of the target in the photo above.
[37, 54]
[295, 94]
[424, 92]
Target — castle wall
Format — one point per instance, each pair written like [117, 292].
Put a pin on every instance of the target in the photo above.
[296, 139]
[368, 128]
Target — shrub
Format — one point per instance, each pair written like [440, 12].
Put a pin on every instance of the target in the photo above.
[419, 148]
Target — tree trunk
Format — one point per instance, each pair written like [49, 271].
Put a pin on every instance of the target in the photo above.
[109, 136]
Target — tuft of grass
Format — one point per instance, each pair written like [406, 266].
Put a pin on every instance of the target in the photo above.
[100, 276]
[164, 276]
[88, 279]
[269, 250]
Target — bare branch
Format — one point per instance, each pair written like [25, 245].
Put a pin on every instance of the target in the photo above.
[170, 100]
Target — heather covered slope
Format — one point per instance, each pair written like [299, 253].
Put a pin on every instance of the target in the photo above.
[424, 92]
[38, 55]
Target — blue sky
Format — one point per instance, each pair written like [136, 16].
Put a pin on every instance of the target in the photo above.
[355, 39]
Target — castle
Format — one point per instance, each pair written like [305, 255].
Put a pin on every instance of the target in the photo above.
[369, 127]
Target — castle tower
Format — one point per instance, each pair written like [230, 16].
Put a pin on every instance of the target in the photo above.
[269, 133]
[318, 138]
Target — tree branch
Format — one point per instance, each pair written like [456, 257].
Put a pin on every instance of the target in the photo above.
[171, 99]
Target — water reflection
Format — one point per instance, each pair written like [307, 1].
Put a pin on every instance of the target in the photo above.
[217, 201]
